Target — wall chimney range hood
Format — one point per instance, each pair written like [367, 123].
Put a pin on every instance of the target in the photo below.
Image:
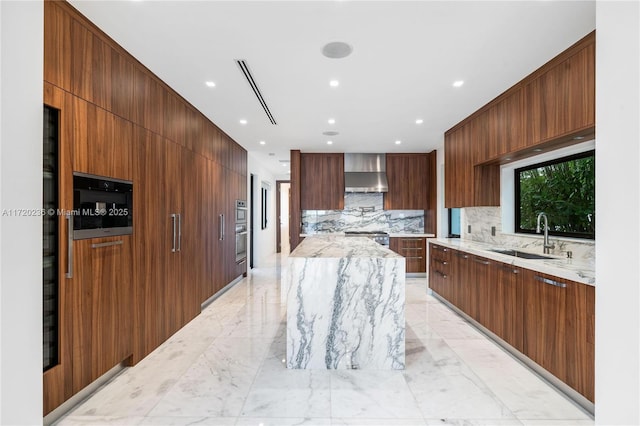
[365, 173]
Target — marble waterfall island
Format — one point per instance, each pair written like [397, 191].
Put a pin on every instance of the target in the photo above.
[345, 305]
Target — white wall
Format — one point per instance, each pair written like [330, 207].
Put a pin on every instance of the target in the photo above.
[21, 47]
[264, 240]
[618, 213]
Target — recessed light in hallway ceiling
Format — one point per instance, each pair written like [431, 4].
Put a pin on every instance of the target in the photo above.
[458, 83]
[337, 50]
[334, 83]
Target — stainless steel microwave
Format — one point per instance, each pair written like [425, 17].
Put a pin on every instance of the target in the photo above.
[102, 206]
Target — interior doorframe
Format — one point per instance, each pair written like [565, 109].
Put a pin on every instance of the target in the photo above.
[278, 210]
[251, 219]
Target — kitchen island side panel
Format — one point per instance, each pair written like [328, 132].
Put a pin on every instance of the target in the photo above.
[345, 312]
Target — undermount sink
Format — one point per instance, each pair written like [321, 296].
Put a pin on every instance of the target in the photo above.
[522, 254]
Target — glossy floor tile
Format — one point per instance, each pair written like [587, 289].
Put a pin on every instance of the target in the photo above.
[226, 367]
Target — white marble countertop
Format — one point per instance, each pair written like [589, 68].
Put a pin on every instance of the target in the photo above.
[410, 235]
[571, 269]
[339, 246]
[392, 235]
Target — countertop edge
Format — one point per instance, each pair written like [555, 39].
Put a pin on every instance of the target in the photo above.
[581, 272]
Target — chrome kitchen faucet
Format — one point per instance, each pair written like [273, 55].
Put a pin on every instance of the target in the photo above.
[546, 246]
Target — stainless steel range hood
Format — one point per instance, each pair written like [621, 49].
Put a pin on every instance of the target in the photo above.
[365, 173]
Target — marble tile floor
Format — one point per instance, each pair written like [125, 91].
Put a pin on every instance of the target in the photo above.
[226, 367]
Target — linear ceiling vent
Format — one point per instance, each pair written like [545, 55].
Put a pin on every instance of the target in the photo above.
[247, 74]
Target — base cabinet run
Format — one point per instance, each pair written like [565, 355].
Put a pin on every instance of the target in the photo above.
[549, 319]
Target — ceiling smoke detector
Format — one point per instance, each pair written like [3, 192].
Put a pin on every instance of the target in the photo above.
[337, 50]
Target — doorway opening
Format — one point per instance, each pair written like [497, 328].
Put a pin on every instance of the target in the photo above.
[283, 188]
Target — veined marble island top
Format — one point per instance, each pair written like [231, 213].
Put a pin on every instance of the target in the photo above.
[338, 246]
[345, 305]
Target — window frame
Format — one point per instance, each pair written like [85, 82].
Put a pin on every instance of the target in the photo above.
[516, 198]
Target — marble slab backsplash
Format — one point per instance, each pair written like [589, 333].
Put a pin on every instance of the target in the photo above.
[362, 212]
[482, 219]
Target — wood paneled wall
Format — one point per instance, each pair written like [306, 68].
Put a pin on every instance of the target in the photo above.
[120, 120]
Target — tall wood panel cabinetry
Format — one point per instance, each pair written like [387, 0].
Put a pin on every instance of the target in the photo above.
[546, 110]
[128, 294]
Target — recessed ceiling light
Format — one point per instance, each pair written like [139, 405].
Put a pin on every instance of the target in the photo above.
[508, 158]
[419, 121]
[331, 121]
[243, 121]
[537, 150]
[398, 142]
[334, 83]
[284, 164]
[330, 133]
[458, 83]
[337, 50]
[329, 142]
[577, 138]
[262, 142]
[210, 84]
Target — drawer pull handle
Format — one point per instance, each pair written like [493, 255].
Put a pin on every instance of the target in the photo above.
[463, 256]
[510, 269]
[483, 262]
[107, 244]
[420, 257]
[412, 239]
[551, 282]
[441, 261]
[441, 274]
[440, 248]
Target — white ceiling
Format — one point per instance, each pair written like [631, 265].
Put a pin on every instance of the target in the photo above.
[406, 55]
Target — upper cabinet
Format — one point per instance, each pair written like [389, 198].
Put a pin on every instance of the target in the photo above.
[548, 107]
[408, 176]
[561, 101]
[321, 181]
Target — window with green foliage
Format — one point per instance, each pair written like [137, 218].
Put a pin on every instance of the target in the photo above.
[564, 189]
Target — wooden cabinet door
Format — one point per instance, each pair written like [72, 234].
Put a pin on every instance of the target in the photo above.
[544, 322]
[483, 277]
[562, 100]
[102, 306]
[408, 182]
[321, 181]
[505, 125]
[461, 280]
[459, 172]
[506, 304]
[192, 241]
[580, 338]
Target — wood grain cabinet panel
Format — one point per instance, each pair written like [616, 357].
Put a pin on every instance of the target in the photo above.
[545, 321]
[409, 185]
[505, 299]
[122, 86]
[459, 172]
[413, 249]
[57, 46]
[440, 270]
[580, 338]
[321, 181]
[562, 100]
[505, 125]
[102, 307]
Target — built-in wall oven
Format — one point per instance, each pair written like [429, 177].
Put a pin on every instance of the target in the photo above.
[241, 231]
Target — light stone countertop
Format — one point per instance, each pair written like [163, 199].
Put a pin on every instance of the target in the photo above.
[339, 246]
[392, 235]
[571, 269]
